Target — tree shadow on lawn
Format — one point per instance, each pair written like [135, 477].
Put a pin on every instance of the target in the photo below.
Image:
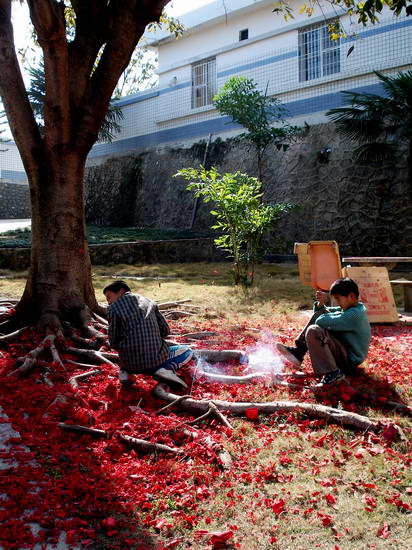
[363, 392]
[73, 489]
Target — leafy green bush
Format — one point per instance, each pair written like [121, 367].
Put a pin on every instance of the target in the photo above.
[241, 217]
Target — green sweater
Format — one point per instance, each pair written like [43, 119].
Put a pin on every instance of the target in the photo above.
[350, 326]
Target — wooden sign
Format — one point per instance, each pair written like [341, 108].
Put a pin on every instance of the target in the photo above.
[375, 292]
[319, 263]
[325, 263]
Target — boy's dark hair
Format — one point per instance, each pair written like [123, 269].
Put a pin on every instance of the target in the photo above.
[116, 287]
[344, 287]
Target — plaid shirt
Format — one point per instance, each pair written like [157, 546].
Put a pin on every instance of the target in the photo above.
[137, 330]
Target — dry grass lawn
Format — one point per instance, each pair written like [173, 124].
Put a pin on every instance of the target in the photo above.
[297, 484]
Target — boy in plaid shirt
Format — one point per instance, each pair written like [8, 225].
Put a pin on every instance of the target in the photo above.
[137, 331]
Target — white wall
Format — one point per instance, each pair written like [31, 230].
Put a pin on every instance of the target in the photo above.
[11, 166]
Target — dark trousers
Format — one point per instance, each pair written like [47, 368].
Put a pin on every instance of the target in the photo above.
[327, 353]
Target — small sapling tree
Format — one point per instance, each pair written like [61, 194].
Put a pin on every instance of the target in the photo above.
[240, 99]
[241, 218]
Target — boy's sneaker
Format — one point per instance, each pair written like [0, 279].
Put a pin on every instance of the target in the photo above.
[331, 378]
[291, 354]
[124, 378]
[170, 376]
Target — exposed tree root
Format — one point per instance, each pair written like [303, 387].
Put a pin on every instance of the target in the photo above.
[88, 343]
[336, 416]
[100, 319]
[96, 357]
[30, 359]
[12, 335]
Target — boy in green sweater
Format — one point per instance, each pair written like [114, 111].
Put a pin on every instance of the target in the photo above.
[337, 338]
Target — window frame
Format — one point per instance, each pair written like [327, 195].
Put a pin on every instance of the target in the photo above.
[318, 55]
[241, 38]
[204, 82]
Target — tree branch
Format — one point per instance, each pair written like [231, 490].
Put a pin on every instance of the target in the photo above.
[128, 21]
[13, 94]
[49, 22]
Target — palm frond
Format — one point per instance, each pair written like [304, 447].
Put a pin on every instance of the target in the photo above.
[375, 151]
[356, 123]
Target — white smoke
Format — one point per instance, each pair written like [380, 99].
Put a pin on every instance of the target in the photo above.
[262, 357]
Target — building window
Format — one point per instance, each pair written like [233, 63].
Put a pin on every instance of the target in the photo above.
[203, 82]
[243, 34]
[318, 54]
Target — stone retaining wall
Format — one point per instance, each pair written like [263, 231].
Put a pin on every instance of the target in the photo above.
[366, 208]
[14, 200]
[132, 253]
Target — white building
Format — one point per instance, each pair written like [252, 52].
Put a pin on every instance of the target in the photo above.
[294, 60]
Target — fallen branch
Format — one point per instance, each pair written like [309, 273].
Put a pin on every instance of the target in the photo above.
[198, 335]
[224, 457]
[177, 314]
[146, 447]
[174, 343]
[355, 394]
[175, 402]
[213, 411]
[84, 430]
[337, 416]
[168, 305]
[216, 356]
[228, 379]
[73, 381]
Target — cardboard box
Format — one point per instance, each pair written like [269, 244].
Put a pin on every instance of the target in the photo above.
[375, 292]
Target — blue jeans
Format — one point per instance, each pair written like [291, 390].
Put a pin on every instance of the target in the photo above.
[178, 356]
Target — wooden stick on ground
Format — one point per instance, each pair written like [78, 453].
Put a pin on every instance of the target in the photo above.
[215, 356]
[84, 430]
[73, 381]
[336, 416]
[167, 305]
[228, 379]
[224, 457]
[147, 447]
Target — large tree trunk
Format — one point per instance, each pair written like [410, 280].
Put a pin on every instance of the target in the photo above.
[81, 72]
[59, 280]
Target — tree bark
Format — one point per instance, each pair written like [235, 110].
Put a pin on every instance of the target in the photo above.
[79, 85]
[59, 282]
